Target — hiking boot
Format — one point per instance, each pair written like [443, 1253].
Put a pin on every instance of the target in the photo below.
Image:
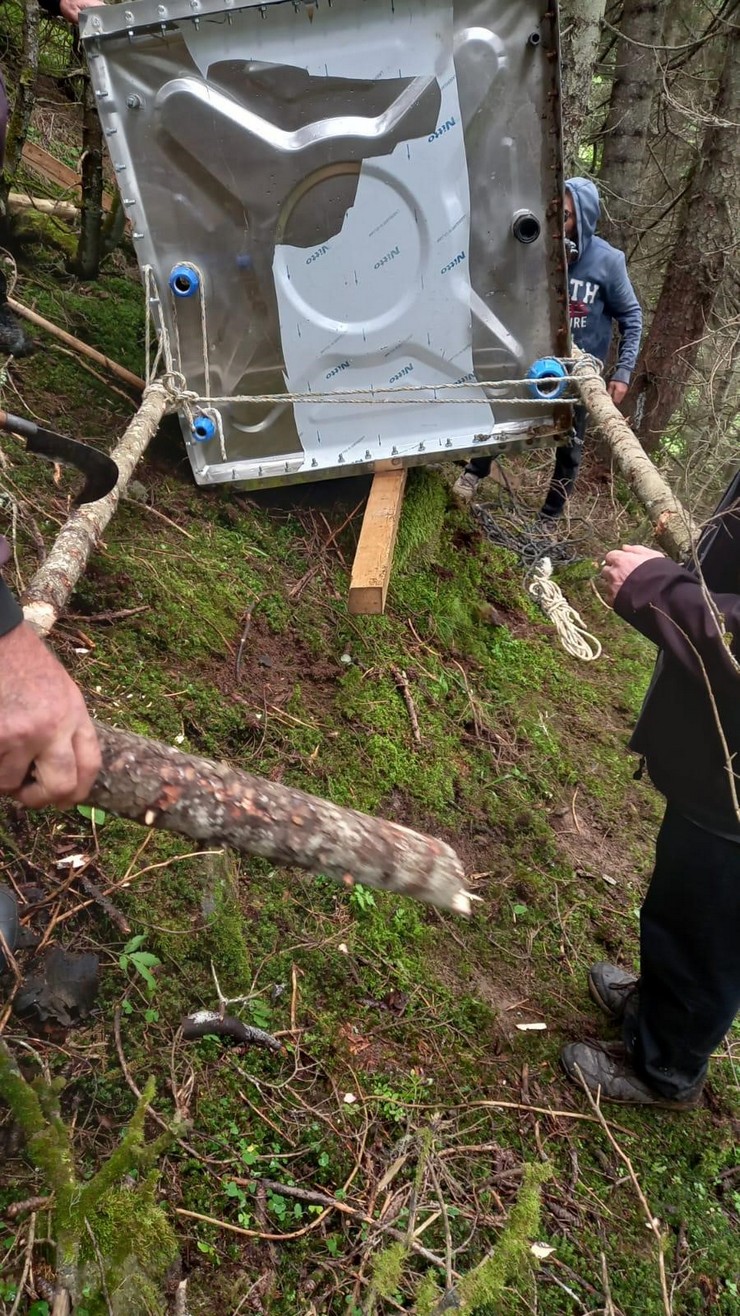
[464, 488]
[611, 988]
[606, 1068]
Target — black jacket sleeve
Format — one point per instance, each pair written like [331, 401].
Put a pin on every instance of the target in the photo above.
[51, 6]
[665, 602]
[10, 611]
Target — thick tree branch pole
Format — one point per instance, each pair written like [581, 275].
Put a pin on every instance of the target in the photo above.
[49, 590]
[672, 525]
[159, 786]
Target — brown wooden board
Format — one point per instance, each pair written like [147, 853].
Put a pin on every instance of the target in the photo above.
[54, 171]
[373, 562]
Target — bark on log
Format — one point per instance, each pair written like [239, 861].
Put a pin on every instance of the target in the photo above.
[159, 786]
[672, 525]
[49, 590]
[20, 201]
[33, 317]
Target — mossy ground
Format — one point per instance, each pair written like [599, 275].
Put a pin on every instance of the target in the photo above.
[522, 766]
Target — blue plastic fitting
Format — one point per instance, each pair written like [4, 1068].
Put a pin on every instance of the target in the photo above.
[184, 281]
[204, 429]
[548, 378]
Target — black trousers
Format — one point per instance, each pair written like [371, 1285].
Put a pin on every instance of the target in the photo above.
[689, 991]
[568, 459]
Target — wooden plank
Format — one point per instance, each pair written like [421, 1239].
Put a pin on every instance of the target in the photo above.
[54, 171]
[371, 571]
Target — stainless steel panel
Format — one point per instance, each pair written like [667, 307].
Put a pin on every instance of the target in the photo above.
[344, 184]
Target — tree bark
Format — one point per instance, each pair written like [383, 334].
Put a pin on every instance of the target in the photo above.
[90, 245]
[628, 120]
[25, 98]
[114, 226]
[672, 525]
[49, 590]
[704, 245]
[159, 786]
[580, 22]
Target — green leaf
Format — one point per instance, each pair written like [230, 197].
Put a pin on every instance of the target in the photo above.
[145, 957]
[134, 943]
[146, 974]
[96, 816]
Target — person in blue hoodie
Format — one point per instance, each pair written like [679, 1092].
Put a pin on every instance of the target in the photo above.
[600, 293]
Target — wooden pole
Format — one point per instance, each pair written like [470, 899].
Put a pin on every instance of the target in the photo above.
[371, 572]
[44, 205]
[672, 524]
[49, 590]
[159, 786]
[33, 317]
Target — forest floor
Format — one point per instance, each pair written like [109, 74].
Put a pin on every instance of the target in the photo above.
[410, 1092]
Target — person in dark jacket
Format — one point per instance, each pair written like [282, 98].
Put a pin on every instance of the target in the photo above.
[600, 294]
[49, 752]
[688, 732]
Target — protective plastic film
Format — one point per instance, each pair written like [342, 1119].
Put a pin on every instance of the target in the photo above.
[357, 201]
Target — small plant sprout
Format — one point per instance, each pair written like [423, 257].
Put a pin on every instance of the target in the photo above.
[141, 961]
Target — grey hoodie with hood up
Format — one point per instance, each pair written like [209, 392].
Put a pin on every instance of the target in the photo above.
[600, 290]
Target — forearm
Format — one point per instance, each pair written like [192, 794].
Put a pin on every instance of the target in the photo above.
[701, 632]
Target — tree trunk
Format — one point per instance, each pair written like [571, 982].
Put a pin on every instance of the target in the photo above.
[159, 786]
[672, 524]
[580, 22]
[704, 244]
[90, 245]
[49, 590]
[25, 97]
[628, 120]
[114, 226]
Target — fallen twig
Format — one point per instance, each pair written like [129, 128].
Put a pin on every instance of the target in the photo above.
[247, 619]
[652, 1222]
[35, 1204]
[106, 905]
[209, 1023]
[27, 1263]
[402, 681]
[33, 317]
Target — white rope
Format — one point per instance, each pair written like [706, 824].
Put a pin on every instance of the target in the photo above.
[571, 629]
[379, 396]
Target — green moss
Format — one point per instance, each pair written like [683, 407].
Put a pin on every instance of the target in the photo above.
[137, 1244]
[422, 518]
[388, 1267]
[481, 1291]
[224, 939]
